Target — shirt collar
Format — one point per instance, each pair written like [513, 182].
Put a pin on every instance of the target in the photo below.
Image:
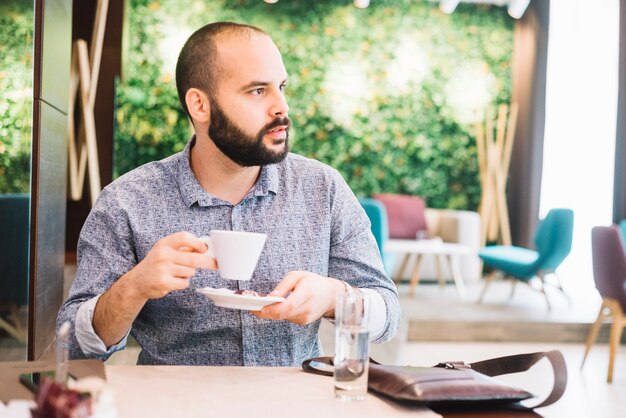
[192, 192]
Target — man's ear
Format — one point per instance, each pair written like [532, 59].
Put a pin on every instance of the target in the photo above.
[198, 105]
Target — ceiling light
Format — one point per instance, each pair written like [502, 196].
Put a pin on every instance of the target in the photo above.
[517, 8]
[361, 4]
[448, 6]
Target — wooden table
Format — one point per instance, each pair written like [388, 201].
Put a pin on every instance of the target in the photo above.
[233, 392]
[444, 252]
[195, 391]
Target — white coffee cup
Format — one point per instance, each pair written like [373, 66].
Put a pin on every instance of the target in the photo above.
[236, 252]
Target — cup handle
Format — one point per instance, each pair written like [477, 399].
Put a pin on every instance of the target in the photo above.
[207, 240]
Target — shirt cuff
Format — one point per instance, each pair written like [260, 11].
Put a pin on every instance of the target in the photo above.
[87, 338]
[377, 311]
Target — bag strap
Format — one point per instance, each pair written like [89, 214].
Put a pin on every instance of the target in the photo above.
[492, 367]
[523, 362]
[306, 365]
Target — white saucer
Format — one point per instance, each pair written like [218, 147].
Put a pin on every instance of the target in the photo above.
[227, 298]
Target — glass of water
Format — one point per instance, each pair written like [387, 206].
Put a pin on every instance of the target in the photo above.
[351, 346]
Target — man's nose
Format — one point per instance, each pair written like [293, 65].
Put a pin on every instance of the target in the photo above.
[279, 105]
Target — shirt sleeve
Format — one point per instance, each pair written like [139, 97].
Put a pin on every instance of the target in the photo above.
[355, 259]
[104, 255]
[377, 314]
[86, 336]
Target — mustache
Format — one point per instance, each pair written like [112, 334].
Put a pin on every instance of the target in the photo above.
[284, 121]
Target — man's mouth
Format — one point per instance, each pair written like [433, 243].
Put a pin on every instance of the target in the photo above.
[278, 134]
[278, 129]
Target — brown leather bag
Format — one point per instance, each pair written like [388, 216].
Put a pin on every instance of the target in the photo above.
[458, 383]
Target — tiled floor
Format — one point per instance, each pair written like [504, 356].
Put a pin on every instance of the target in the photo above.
[433, 302]
[437, 314]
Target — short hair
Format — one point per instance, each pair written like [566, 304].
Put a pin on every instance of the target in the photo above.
[198, 65]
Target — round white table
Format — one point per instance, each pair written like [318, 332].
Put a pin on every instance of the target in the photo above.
[444, 252]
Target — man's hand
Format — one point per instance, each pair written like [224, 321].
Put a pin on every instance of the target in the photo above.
[312, 296]
[167, 267]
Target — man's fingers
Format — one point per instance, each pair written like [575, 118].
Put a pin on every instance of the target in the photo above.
[280, 310]
[177, 283]
[287, 284]
[183, 272]
[268, 311]
[311, 296]
[186, 241]
[195, 260]
[291, 307]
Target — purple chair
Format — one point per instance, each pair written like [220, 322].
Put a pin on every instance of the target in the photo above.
[609, 274]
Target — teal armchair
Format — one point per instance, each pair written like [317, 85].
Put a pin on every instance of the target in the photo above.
[377, 214]
[622, 228]
[14, 259]
[553, 242]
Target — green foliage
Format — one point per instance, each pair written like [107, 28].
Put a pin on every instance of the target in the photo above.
[16, 76]
[386, 95]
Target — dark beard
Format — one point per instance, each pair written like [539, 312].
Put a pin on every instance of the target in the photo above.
[243, 149]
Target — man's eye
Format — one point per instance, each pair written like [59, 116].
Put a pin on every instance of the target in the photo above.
[283, 87]
[258, 91]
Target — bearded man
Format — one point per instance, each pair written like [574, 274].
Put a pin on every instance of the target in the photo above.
[140, 257]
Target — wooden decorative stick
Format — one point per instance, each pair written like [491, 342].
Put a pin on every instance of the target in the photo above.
[494, 156]
[85, 70]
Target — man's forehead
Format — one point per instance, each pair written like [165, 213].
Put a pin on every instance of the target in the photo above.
[249, 50]
[231, 45]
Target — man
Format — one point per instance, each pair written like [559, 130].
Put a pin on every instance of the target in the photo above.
[139, 255]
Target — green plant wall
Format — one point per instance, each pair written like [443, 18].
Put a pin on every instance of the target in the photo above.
[387, 95]
[16, 94]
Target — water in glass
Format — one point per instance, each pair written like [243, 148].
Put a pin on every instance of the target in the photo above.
[351, 362]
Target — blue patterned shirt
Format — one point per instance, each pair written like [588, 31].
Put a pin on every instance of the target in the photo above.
[313, 223]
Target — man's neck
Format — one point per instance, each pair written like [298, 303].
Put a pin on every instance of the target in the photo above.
[218, 174]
